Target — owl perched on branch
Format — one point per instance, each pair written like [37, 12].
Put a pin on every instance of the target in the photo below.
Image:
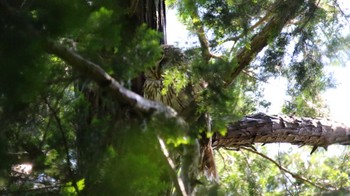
[169, 82]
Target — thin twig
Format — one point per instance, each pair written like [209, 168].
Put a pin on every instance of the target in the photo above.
[284, 174]
[223, 158]
[65, 144]
[251, 173]
[296, 176]
[42, 142]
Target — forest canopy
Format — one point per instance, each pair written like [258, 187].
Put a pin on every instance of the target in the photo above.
[94, 101]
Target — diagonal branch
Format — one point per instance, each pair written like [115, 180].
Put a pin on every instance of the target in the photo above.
[97, 74]
[254, 26]
[270, 31]
[278, 19]
[179, 184]
[200, 32]
[296, 176]
[90, 69]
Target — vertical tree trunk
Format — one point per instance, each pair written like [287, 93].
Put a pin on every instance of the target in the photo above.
[152, 13]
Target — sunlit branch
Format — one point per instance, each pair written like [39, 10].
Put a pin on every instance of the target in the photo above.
[260, 22]
[252, 75]
[203, 40]
[172, 169]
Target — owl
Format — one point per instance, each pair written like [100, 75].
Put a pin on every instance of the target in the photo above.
[168, 82]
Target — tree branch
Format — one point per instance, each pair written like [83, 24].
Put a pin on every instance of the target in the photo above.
[296, 176]
[258, 23]
[90, 69]
[262, 128]
[260, 40]
[203, 40]
[97, 74]
[199, 29]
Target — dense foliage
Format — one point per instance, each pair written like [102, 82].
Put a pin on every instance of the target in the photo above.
[81, 137]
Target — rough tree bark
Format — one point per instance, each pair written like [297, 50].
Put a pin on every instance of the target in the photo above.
[152, 13]
[263, 128]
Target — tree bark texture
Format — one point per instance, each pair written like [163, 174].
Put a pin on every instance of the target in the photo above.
[262, 128]
[151, 12]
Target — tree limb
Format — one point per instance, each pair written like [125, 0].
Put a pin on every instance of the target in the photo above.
[97, 74]
[200, 32]
[258, 23]
[262, 128]
[260, 40]
[245, 55]
[199, 29]
[90, 69]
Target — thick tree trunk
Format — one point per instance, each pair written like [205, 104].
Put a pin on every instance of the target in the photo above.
[151, 13]
[262, 128]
